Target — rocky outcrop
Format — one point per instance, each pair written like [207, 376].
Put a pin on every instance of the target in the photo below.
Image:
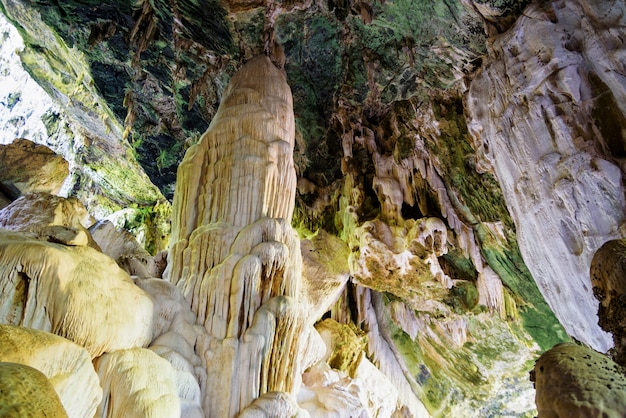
[32, 168]
[576, 381]
[608, 277]
[546, 115]
[140, 334]
[56, 104]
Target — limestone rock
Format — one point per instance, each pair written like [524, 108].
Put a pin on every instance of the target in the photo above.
[175, 336]
[546, 112]
[122, 247]
[345, 383]
[233, 252]
[608, 277]
[51, 218]
[325, 271]
[331, 393]
[274, 404]
[32, 168]
[345, 345]
[575, 381]
[403, 260]
[64, 111]
[242, 168]
[26, 392]
[66, 365]
[137, 383]
[75, 292]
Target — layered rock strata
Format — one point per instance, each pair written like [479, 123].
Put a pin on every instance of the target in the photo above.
[546, 114]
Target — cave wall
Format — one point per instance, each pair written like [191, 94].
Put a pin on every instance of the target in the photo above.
[546, 116]
[469, 167]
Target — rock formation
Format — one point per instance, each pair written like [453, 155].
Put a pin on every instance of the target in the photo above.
[234, 254]
[427, 147]
[67, 366]
[28, 167]
[69, 288]
[608, 278]
[27, 392]
[545, 110]
[576, 381]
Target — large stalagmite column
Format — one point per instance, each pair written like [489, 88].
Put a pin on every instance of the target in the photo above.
[234, 254]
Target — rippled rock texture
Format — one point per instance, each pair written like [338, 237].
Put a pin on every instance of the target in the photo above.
[547, 116]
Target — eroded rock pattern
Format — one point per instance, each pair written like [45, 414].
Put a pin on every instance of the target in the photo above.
[608, 277]
[66, 365]
[27, 392]
[32, 168]
[576, 381]
[547, 114]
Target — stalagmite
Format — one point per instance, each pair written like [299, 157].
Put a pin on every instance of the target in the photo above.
[234, 254]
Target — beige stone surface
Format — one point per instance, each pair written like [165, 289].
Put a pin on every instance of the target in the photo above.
[234, 254]
[274, 404]
[575, 381]
[75, 292]
[122, 247]
[50, 218]
[608, 277]
[325, 271]
[66, 365]
[26, 392]
[32, 168]
[137, 383]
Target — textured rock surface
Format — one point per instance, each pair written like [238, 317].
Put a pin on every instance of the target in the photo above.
[234, 255]
[26, 392]
[55, 104]
[122, 247]
[547, 115]
[66, 365]
[32, 168]
[49, 218]
[76, 292]
[137, 383]
[384, 163]
[608, 277]
[576, 381]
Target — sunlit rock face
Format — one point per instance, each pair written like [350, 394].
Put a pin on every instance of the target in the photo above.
[56, 105]
[547, 114]
[27, 167]
[140, 333]
[66, 365]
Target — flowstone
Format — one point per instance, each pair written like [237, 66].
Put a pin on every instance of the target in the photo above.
[234, 254]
